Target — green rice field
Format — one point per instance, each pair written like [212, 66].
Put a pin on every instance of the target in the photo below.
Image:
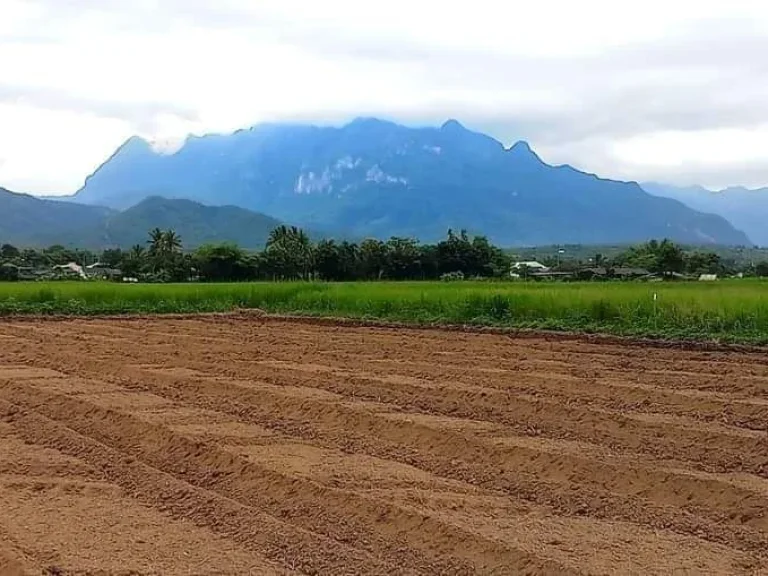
[730, 310]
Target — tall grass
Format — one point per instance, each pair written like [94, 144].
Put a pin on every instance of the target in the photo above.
[728, 310]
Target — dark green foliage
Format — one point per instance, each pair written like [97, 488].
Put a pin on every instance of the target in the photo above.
[703, 263]
[373, 259]
[8, 272]
[337, 262]
[665, 258]
[224, 263]
[289, 253]
[9, 252]
[402, 259]
[761, 270]
[112, 257]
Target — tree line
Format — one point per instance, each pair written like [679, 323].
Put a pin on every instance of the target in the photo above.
[291, 255]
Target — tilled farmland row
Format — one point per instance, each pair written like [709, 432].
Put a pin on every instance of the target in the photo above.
[264, 446]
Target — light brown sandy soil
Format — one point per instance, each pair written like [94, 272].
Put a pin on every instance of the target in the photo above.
[265, 446]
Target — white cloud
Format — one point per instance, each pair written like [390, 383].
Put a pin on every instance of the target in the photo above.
[652, 90]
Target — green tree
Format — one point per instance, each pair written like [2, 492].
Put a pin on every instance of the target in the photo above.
[455, 254]
[289, 253]
[373, 259]
[222, 262]
[33, 258]
[133, 262]
[9, 252]
[156, 241]
[8, 272]
[172, 241]
[703, 263]
[663, 257]
[57, 255]
[402, 262]
[761, 269]
[112, 257]
[328, 260]
[599, 260]
[488, 260]
[430, 262]
[671, 257]
[166, 260]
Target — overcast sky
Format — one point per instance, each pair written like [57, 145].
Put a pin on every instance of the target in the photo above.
[655, 90]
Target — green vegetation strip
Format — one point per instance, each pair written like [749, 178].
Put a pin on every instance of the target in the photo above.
[728, 311]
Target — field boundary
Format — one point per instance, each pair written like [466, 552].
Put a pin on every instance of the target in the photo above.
[342, 321]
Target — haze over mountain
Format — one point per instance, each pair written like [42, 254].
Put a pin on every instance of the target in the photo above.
[745, 208]
[377, 178]
[26, 221]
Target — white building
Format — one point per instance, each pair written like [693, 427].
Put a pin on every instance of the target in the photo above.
[530, 266]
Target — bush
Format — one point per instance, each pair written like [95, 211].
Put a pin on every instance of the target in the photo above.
[9, 272]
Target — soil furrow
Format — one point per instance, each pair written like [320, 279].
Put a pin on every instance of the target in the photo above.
[517, 471]
[344, 517]
[242, 444]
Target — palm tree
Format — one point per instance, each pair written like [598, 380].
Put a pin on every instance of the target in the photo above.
[290, 250]
[136, 252]
[156, 241]
[172, 241]
[278, 235]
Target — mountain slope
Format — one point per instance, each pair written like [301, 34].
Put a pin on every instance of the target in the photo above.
[29, 221]
[26, 221]
[744, 208]
[195, 223]
[376, 178]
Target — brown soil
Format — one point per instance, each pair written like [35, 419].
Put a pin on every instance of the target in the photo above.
[255, 445]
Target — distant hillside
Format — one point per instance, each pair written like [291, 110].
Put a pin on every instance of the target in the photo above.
[26, 221]
[376, 178]
[29, 221]
[195, 223]
[744, 208]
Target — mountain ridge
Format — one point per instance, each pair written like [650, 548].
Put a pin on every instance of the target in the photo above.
[378, 178]
[30, 221]
[745, 208]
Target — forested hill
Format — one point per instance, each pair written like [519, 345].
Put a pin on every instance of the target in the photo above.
[33, 222]
[29, 221]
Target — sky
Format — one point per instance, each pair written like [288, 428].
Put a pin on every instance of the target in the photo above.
[668, 90]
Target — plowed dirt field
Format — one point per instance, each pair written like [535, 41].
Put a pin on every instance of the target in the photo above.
[265, 446]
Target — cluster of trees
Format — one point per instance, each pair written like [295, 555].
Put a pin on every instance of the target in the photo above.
[288, 255]
[663, 257]
[291, 255]
[668, 257]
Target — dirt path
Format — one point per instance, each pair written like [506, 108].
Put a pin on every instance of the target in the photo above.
[264, 446]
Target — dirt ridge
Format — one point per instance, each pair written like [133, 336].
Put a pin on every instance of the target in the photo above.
[310, 447]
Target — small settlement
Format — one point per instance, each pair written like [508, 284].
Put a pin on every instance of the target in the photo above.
[70, 271]
[533, 270]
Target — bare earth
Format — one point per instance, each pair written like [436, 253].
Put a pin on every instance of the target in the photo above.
[265, 446]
